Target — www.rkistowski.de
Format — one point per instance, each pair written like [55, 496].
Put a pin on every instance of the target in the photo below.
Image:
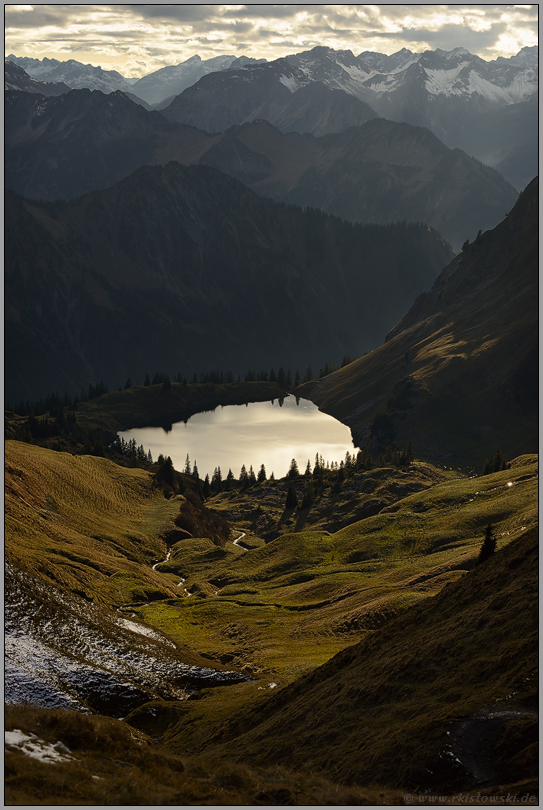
[472, 799]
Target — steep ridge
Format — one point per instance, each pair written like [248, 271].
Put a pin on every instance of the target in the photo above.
[15, 78]
[275, 91]
[381, 711]
[467, 351]
[60, 148]
[220, 277]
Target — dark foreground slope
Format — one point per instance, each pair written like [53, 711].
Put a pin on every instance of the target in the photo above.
[184, 269]
[458, 374]
[386, 711]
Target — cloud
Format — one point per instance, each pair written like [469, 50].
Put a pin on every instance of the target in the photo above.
[447, 38]
[132, 31]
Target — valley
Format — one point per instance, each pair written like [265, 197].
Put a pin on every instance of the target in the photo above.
[271, 415]
[264, 613]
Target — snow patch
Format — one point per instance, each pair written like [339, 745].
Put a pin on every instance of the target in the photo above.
[35, 748]
[290, 83]
[144, 631]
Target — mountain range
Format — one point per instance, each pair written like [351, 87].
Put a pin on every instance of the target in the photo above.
[464, 100]
[458, 96]
[15, 78]
[221, 278]
[379, 172]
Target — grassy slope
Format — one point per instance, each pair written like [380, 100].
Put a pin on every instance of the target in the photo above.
[379, 711]
[285, 607]
[86, 524]
[137, 772]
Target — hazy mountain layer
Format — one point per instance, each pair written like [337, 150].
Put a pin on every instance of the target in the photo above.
[380, 172]
[465, 356]
[84, 140]
[186, 269]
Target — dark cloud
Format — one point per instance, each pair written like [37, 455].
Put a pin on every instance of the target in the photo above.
[272, 11]
[451, 36]
[40, 16]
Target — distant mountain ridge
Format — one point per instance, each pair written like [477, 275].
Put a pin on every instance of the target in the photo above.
[172, 80]
[74, 74]
[221, 279]
[15, 78]
[451, 93]
[467, 102]
[380, 172]
[276, 91]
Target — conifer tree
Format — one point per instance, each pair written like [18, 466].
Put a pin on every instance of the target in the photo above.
[230, 479]
[308, 374]
[187, 465]
[293, 471]
[489, 545]
[308, 495]
[216, 480]
[292, 498]
[166, 471]
[261, 477]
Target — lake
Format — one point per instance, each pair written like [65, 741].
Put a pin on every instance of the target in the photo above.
[258, 433]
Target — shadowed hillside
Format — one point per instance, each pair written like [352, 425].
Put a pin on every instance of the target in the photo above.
[387, 709]
[184, 268]
[458, 374]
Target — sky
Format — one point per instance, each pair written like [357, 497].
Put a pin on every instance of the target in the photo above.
[138, 39]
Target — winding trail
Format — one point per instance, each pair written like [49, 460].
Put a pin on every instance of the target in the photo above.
[182, 580]
[238, 544]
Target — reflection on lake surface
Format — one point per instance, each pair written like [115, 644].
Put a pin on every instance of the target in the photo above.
[254, 434]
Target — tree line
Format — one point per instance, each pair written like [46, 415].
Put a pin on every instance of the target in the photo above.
[54, 404]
